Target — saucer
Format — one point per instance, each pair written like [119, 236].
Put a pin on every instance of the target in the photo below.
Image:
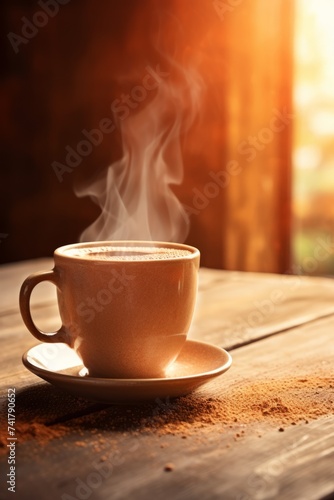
[197, 363]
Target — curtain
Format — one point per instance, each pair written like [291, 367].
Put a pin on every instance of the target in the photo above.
[257, 230]
[247, 136]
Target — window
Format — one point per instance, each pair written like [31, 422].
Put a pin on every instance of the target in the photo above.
[313, 155]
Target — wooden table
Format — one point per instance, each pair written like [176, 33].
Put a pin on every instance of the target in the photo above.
[264, 429]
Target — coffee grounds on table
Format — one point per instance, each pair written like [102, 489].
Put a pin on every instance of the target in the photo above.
[275, 403]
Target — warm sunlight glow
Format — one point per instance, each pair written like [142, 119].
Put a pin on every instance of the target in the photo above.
[313, 156]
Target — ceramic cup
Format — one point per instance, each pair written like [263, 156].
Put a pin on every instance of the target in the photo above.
[125, 306]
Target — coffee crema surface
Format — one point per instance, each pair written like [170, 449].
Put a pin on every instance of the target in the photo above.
[135, 253]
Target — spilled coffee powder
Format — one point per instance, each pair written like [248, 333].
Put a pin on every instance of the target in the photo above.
[275, 403]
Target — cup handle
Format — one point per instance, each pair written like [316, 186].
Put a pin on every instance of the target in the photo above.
[25, 294]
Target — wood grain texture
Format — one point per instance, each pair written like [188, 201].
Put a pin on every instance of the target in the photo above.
[211, 463]
[113, 452]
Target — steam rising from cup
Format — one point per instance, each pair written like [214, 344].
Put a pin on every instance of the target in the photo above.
[135, 192]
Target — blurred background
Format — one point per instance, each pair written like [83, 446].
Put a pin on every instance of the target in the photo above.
[258, 158]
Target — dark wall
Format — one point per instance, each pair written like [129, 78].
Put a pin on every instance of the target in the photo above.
[59, 79]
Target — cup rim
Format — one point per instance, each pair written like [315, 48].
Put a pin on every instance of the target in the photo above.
[60, 252]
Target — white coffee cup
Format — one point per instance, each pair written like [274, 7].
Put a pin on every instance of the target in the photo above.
[125, 306]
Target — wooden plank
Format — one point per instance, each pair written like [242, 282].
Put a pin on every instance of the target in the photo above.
[219, 472]
[214, 456]
[295, 466]
[237, 308]
[12, 277]
[210, 457]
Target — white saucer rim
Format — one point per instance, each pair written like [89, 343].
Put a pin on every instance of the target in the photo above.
[133, 381]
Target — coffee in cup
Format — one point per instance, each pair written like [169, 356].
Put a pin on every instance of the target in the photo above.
[125, 306]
